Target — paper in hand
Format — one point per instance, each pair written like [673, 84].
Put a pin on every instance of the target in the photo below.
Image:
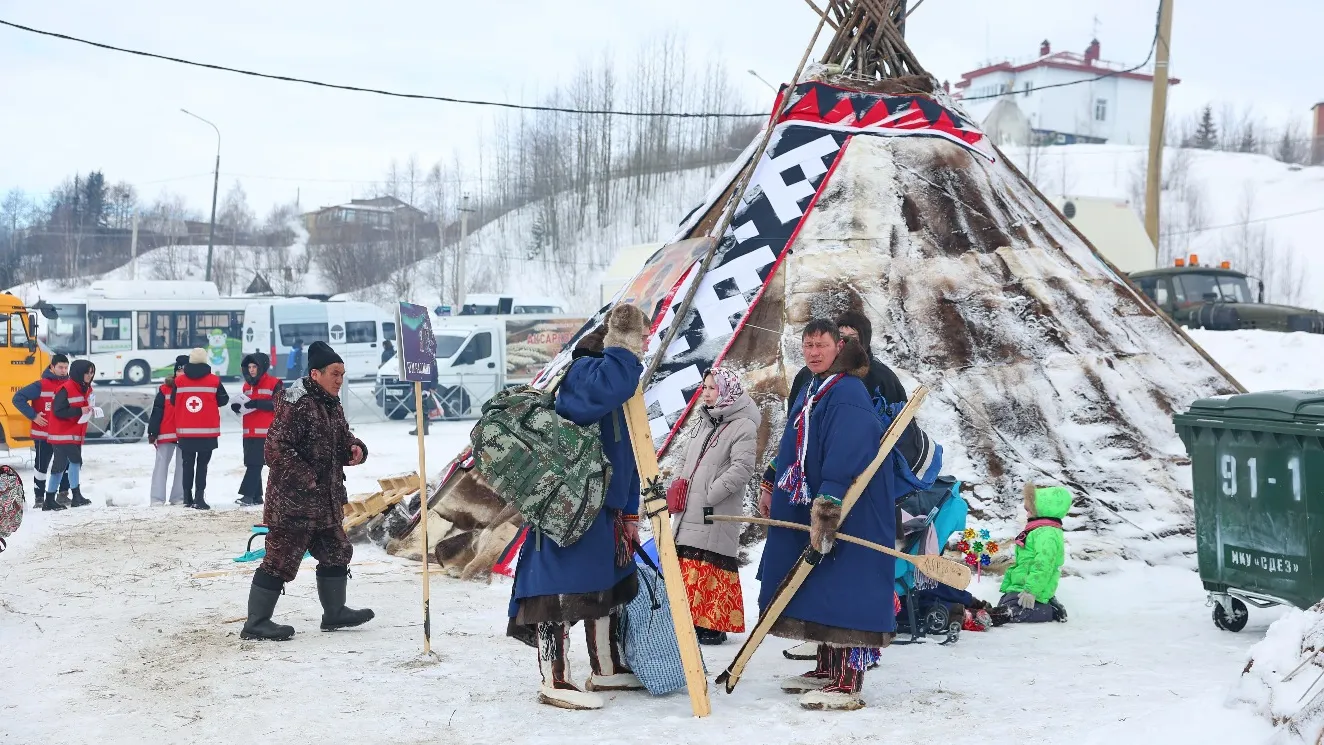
[87, 415]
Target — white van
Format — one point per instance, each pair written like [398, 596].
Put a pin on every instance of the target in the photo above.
[356, 331]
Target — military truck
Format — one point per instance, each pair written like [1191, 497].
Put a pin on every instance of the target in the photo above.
[1219, 298]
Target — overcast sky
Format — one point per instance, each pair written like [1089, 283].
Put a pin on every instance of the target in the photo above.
[66, 107]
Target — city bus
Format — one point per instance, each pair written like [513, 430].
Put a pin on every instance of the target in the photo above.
[133, 331]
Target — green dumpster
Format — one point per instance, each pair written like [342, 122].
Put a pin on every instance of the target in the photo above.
[1257, 472]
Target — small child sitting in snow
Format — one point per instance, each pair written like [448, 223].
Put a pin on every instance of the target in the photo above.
[1030, 584]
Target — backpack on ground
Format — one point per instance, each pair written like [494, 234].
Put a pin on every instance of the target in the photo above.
[12, 496]
[551, 469]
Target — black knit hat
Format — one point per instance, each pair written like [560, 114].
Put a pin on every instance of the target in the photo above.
[181, 360]
[320, 354]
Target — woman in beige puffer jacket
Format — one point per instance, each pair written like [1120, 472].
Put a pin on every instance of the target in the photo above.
[719, 462]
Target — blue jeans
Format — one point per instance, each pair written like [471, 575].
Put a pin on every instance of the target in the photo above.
[73, 471]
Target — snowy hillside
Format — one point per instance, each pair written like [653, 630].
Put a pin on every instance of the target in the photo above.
[1208, 196]
[502, 255]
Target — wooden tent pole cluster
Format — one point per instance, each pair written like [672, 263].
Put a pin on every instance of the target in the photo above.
[868, 42]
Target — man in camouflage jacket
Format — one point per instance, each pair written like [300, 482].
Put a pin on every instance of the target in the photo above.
[307, 448]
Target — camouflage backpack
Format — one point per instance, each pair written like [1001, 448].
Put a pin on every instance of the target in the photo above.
[551, 469]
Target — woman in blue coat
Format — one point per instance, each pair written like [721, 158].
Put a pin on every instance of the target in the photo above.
[592, 579]
[846, 603]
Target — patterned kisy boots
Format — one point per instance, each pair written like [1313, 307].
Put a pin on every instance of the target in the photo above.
[815, 679]
[556, 689]
[842, 692]
[606, 657]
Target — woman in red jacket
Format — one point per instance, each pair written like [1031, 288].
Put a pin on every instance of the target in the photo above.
[73, 408]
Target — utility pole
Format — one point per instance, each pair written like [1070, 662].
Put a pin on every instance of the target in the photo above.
[460, 278]
[133, 248]
[1157, 118]
[215, 184]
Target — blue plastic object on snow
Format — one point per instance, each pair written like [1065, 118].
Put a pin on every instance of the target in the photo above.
[251, 555]
[650, 548]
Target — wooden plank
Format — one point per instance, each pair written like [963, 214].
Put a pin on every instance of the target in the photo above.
[653, 502]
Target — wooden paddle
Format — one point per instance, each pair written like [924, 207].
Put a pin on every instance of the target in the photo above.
[946, 571]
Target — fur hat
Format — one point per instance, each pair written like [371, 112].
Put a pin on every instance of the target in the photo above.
[626, 325]
[591, 343]
[860, 322]
[320, 355]
[197, 356]
[852, 360]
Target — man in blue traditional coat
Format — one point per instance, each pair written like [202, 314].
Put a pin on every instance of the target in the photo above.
[846, 603]
[592, 579]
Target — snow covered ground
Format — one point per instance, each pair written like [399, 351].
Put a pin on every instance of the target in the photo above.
[120, 625]
[1266, 361]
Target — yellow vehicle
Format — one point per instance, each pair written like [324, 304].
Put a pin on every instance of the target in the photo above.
[22, 361]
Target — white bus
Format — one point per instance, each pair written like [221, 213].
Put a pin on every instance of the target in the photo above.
[356, 330]
[133, 331]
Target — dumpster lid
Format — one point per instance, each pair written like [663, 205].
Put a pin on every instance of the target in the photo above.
[1306, 407]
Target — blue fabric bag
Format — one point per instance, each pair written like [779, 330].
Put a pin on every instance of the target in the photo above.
[648, 633]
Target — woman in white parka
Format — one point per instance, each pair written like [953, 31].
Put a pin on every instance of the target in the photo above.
[719, 463]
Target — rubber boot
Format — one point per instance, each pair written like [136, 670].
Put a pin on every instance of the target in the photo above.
[199, 503]
[50, 505]
[607, 658]
[262, 596]
[554, 664]
[39, 493]
[78, 500]
[331, 583]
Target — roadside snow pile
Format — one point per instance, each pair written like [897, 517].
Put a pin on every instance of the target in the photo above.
[1282, 681]
[1266, 360]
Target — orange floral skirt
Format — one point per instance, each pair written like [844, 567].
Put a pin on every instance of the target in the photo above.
[712, 583]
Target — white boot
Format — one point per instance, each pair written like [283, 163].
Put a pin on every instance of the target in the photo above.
[607, 658]
[556, 689]
[831, 700]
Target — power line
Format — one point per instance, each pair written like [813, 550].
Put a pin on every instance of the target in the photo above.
[1244, 222]
[380, 92]
[1152, 46]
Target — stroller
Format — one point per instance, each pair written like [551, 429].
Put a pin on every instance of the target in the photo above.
[928, 517]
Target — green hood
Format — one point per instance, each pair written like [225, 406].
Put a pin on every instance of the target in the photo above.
[1052, 501]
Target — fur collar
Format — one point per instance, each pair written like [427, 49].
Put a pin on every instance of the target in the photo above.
[852, 360]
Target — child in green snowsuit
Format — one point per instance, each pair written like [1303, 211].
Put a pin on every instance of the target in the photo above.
[1029, 587]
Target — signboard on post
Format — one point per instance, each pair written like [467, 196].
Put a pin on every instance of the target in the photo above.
[418, 347]
[418, 359]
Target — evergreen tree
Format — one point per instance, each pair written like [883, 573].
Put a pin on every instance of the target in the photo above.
[1206, 135]
[1248, 143]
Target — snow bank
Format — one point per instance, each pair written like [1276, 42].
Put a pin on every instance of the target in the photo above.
[1265, 360]
[1293, 705]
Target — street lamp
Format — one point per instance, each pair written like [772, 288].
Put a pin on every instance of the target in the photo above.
[216, 181]
[761, 80]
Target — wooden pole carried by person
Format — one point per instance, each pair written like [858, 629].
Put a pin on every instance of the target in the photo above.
[811, 556]
[653, 502]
